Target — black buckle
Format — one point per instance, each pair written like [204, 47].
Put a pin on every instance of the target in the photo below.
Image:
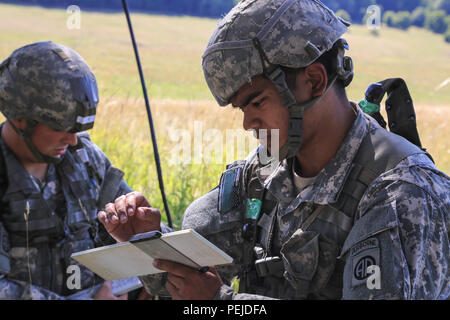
[248, 230]
[269, 266]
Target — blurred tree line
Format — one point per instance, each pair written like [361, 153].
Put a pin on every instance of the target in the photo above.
[402, 14]
[431, 14]
[207, 8]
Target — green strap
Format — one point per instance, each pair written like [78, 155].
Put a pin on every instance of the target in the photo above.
[369, 107]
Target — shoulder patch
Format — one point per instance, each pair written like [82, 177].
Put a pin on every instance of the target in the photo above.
[364, 254]
[229, 190]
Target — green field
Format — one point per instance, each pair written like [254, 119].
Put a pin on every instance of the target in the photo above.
[171, 49]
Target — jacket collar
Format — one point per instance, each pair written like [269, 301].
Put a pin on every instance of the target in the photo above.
[326, 187]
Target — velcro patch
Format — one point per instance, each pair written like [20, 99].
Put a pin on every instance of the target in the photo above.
[62, 54]
[83, 155]
[364, 254]
[229, 190]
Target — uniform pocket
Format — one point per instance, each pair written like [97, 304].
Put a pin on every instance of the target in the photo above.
[309, 261]
[375, 266]
[300, 256]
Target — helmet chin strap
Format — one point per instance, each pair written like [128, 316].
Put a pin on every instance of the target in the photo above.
[296, 110]
[26, 137]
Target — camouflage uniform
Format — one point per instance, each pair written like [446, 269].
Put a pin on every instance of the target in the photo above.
[401, 224]
[62, 220]
[41, 225]
[380, 202]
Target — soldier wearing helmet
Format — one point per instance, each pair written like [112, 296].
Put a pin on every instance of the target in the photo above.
[349, 211]
[53, 178]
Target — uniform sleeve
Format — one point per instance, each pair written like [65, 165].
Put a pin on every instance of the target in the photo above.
[424, 235]
[5, 263]
[112, 183]
[399, 248]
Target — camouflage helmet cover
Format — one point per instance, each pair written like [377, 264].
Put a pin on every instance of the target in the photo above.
[292, 33]
[50, 84]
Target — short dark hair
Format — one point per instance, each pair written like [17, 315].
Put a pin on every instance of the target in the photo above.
[328, 60]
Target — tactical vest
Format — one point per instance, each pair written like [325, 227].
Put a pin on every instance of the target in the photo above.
[47, 236]
[318, 241]
[80, 192]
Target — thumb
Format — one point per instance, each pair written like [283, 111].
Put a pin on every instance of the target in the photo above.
[213, 269]
[107, 284]
[141, 201]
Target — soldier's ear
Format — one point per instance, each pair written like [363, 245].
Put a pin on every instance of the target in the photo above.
[316, 79]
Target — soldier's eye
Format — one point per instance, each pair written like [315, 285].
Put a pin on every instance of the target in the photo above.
[258, 103]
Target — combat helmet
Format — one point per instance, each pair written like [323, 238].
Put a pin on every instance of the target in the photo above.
[259, 37]
[48, 83]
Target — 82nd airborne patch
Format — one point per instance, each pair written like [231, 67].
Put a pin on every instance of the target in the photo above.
[364, 254]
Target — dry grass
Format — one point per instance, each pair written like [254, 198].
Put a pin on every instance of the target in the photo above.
[433, 128]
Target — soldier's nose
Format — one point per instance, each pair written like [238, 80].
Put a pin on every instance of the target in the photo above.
[250, 122]
[71, 139]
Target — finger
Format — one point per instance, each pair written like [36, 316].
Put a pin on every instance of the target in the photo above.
[214, 271]
[147, 214]
[121, 205]
[111, 214]
[107, 284]
[177, 281]
[109, 226]
[173, 267]
[173, 291]
[135, 200]
[131, 203]
[102, 217]
[141, 201]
